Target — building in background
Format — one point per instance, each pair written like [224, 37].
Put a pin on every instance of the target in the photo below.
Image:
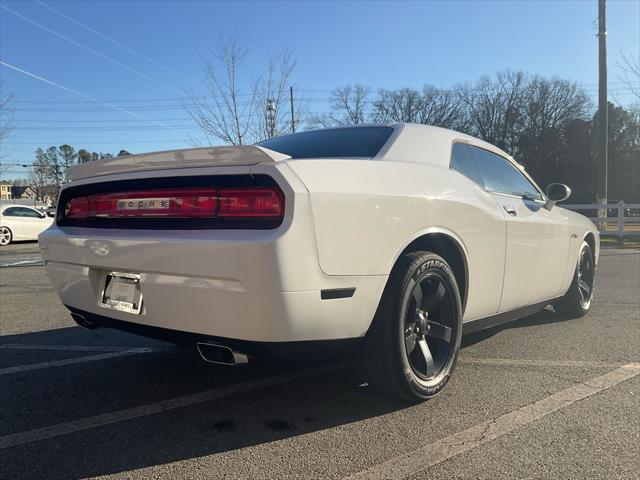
[23, 192]
[5, 190]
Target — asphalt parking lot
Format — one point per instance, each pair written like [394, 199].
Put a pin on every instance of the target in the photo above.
[542, 397]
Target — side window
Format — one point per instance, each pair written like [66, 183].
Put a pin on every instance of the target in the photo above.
[21, 212]
[502, 177]
[12, 212]
[27, 212]
[464, 161]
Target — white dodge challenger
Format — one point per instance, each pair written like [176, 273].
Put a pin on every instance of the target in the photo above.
[394, 237]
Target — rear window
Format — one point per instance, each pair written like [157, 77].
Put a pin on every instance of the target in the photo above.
[331, 143]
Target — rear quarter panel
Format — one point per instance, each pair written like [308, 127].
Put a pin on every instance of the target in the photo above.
[366, 212]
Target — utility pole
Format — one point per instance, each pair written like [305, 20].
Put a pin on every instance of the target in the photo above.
[603, 108]
[293, 121]
[271, 118]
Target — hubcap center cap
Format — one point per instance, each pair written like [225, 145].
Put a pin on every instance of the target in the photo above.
[422, 325]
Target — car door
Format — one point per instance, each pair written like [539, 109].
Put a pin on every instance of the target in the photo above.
[13, 219]
[486, 248]
[537, 239]
[34, 222]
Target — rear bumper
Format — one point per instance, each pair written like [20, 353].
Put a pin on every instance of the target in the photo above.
[224, 307]
[249, 285]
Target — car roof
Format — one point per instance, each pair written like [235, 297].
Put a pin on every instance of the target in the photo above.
[410, 142]
[416, 143]
[11, 205]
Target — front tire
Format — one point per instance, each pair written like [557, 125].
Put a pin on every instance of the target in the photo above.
[5, 236]
[412, 346]
[577, 301]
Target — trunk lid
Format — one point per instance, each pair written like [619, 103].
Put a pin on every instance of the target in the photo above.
[188, 158]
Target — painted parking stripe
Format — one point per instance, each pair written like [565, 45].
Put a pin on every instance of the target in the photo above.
[83, 348]
[159, 407]
[507, 362]
[22, 261]
[525, 362]
[424, 457]
[64, 348]
[71, 361]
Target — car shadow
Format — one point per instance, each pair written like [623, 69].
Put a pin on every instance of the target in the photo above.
[41, 398]
[544, 317]
[227, 425]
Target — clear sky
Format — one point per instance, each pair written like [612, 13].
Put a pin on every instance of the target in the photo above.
[381, 44]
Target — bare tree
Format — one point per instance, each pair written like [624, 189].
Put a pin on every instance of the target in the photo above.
[220, 113]
[403, 105]
[6, 118]
[350, 104]
[551, 103]
[272, 100]
[431, 106]
[631, 75]
[493, 107]
[39, 174]
[68, 156]
[442, 108]
[224, 112]
[547, 108]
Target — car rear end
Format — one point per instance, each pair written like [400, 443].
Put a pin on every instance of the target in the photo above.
[212, 243]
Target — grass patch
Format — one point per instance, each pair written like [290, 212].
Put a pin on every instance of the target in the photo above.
[625, 242]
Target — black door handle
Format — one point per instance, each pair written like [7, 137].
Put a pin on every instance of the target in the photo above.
[510, 210]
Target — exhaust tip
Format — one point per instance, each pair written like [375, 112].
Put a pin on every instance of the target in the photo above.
[220, 354]
[83, 322]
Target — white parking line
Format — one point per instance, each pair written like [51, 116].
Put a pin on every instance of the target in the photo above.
[66, 348]
[71, 361]
[525, 362]
[83, 348]
[497, 362]
[158, 407]
[424, 457]
[21, 261]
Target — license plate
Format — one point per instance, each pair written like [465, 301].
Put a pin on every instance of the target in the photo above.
[122, 292]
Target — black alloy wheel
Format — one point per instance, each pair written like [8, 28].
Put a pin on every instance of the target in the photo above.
[577, 301]
[429, 326]
[412, 346]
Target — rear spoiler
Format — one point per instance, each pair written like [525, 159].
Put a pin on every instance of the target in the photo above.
[187, 158]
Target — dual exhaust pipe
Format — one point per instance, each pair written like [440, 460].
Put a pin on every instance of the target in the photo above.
[209, 352]
[220, 354]
[84, 322]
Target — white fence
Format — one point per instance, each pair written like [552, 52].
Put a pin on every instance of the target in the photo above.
[26, 203]
[619, 219]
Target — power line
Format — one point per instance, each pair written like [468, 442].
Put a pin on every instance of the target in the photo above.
[134, 100]
[67, 89]
[108, 129]
[108, 120]
[174, 106]
[88, 49]
[98, 142]
[118, 44]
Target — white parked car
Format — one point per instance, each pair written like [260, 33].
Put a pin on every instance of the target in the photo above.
[396, 237]
[21, 223]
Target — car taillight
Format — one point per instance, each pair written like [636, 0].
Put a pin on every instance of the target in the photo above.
[250, 202]
[180, 203]
[77, 208]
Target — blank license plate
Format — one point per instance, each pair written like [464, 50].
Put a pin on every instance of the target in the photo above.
[122, 292]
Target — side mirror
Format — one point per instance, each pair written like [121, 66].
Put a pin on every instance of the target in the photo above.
[556, 192]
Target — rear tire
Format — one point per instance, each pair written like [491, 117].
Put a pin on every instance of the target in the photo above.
[5, 236]
[577, 301]
[412, 346]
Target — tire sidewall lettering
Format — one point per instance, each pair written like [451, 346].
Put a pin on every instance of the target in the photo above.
[429, 264]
